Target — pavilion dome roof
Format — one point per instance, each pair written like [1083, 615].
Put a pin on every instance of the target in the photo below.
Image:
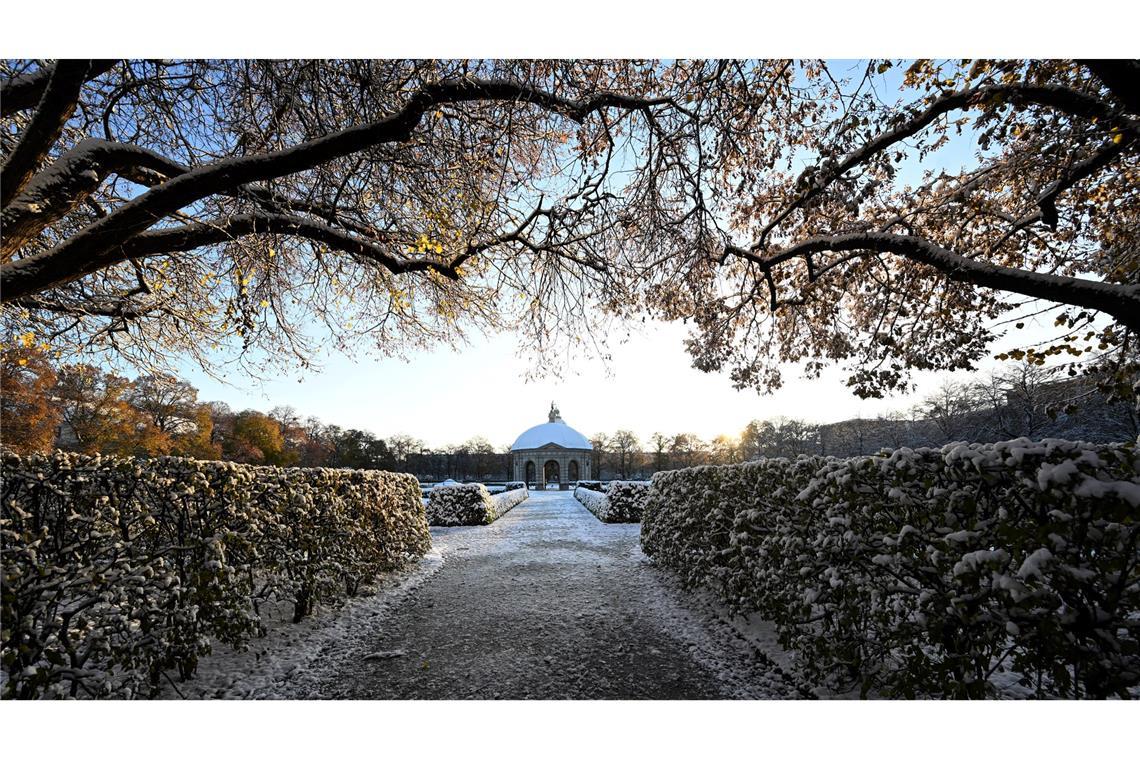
[554, 432]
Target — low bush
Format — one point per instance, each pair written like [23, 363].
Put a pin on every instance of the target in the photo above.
[925, 572]
[591, 500]
[591, 485]
[626, 501]
[117, 570]
[461, 504]
[470, 504]
[623, 501]
[508, 500]
[514, 485]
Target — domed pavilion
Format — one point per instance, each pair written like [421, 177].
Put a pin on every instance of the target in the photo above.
[552, 452]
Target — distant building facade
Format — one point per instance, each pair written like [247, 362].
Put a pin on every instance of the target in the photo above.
[552, 452]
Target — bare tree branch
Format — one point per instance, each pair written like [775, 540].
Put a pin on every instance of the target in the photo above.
[86, 251]
[23, 92]
[56, 106]
[1063, 98]
[1122, 77]
[199, 234]
[74, 176]
[1120, 301]
[71, 179]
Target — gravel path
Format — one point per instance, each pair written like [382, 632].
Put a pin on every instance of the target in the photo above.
[546, 603]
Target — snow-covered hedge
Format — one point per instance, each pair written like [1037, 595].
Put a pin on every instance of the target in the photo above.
[118, 569]
[626, 500]
[508, 500]
[925, 572]
[591, 485]
[515, 485]
[470, 504]
[622, 502]
[591, 500]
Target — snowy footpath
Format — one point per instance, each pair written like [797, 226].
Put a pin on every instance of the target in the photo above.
[546, 603]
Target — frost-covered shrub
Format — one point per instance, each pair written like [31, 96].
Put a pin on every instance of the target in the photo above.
[622, 502]
[591, 500]
[515, 485]
[591, 485]
[470, 504]
[117, 569]
[461, 504]
[507, 500]
[626, 500]
[708, 524]
[925, 572]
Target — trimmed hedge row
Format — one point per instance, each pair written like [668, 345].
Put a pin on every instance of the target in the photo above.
[470, 504]
[627, 500]
[925, 572]
[508, 500]
[591, 485]
[622, 502]
[595, 501]
[118, 569]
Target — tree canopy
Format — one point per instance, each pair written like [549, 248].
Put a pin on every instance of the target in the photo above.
[793, 211]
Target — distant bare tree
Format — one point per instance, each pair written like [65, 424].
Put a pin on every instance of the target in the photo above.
[624, 444]
[1019, 399]
[954, 409]
[601, 444]
[170, 403]
[660, 443]
[687, 450]
[724, 449]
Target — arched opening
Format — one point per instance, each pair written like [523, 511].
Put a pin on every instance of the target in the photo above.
[531, 474]
[552, 472]
[572, 474]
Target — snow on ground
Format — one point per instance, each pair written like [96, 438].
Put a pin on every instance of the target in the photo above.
[547, 602]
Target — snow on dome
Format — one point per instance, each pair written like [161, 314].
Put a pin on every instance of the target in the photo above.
[555, 431]
[558, 433]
